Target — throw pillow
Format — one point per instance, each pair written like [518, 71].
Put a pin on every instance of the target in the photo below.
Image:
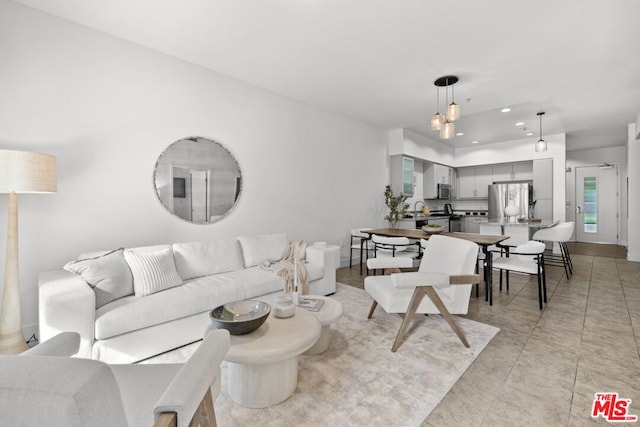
[258, 249]
[152, 271]
[108, 275]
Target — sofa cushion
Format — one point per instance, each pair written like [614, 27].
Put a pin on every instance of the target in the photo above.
[197, 259]
[107, 274]
[152, 271]
[194, 296]
[258, 249]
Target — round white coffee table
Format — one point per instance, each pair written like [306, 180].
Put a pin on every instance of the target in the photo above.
[263, 365]
[329, 313]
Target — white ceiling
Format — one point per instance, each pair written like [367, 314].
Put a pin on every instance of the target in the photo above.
[376, 60]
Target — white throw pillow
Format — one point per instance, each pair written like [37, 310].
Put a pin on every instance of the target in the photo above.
[152, 271]
[108, 275]
[197, 259]
[258, 249]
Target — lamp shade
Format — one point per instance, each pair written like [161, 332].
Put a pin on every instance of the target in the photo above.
[447, 130]
[436, 121]
[453, 112]
[25, 172]
[541, 145]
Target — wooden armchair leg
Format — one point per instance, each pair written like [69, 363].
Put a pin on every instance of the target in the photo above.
[435, 298]
[204, 415]
[372, 309]
[418, 294]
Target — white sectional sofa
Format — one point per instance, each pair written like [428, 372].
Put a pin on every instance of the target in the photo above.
[131, 304]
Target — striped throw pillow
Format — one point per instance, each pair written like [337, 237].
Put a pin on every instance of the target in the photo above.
[152, 271]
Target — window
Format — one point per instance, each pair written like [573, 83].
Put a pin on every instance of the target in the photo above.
[590, 204]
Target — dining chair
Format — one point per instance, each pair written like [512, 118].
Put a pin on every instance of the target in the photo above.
[527, 258]
[445, 276]
[392, 253]
[361, 242]
[560, 233]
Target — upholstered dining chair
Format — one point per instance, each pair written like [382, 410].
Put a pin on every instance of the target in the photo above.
[445, 276]
[44, 387]
[392, 253]
[360, 242]
[527, 258]
[560, 233]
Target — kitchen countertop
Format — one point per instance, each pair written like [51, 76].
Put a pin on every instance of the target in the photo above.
[531, 224]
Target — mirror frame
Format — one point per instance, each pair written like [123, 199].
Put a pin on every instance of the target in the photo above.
[170, 209]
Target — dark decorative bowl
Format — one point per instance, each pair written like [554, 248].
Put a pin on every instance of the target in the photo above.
[240, 317]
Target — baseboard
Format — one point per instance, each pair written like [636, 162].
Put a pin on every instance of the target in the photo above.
[633, 257]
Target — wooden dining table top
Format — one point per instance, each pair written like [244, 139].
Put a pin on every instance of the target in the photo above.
[480, 239]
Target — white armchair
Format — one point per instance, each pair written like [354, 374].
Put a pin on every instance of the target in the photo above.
[39, 389]
[445, 276]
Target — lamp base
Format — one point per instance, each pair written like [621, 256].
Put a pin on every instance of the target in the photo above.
[11, 339]
[12, 343]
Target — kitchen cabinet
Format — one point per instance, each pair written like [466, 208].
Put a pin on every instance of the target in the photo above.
[473, 182]
[471, 224]
[518, 171]
[401, 175]
[433, 175]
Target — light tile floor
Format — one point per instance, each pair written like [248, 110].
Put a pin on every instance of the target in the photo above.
[544, 367]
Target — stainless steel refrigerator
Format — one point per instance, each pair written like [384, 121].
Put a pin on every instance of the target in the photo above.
[502, 194]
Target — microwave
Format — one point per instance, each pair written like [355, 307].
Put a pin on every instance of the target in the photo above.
[444, 191]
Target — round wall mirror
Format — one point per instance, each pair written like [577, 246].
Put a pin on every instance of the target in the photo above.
[198, 180]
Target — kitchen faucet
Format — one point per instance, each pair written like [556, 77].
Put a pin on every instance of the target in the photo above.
[415, 208]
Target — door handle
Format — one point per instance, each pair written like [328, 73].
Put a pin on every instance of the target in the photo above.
[578, 209]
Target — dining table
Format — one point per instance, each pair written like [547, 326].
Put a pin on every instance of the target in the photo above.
[482, 240]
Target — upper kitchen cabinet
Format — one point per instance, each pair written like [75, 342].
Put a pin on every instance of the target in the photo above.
[473, 182]
[519, 171]
[435, 174]
[401, 175]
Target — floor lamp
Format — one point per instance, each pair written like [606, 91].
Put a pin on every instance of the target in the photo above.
[20, 172]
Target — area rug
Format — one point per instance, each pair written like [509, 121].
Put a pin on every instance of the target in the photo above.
[358, 381]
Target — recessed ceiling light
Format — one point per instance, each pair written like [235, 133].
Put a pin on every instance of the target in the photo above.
[459, 133]
[505, 110]
[474, 142]
[529, 134]
[519, 123]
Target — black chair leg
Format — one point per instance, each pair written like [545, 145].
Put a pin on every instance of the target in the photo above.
[350, 257]
[539, 289]
[507, 280]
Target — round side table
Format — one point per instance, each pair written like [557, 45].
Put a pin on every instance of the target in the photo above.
[329, 313]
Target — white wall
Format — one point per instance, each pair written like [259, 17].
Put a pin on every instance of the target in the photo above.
[595, 157]
[633, 233]
[107, 109]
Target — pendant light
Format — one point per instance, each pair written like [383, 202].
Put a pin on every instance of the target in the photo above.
[453, 109]
[541, 145]
[437, 119]
[441, 123]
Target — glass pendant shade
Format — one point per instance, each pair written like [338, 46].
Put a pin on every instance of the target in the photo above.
[453, 112]
[436, 121]
[541, 145]
[447, 131]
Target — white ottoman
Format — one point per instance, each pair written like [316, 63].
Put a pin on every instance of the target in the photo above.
[329, 313]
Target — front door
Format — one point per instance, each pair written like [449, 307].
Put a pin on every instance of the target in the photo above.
[597, 204]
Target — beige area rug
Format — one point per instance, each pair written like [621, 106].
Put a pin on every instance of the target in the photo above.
[358, 381]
